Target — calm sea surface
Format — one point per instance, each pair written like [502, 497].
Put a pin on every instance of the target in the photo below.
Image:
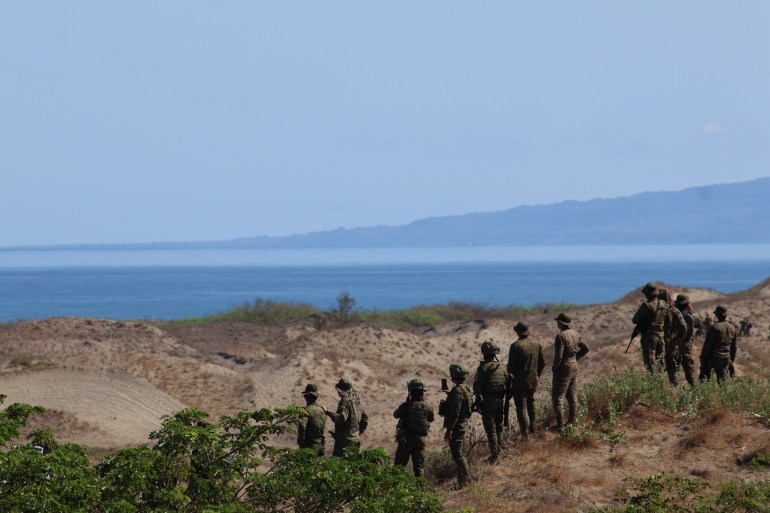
[178, 283]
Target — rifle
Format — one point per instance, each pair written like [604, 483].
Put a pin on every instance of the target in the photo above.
[634, 334]
[400, 431]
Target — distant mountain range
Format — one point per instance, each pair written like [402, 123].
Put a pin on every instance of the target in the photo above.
[736, 213]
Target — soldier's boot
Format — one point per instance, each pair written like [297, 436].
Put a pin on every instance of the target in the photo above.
[523, 429]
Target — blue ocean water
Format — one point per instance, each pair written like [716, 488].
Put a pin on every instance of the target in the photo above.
[178, 283]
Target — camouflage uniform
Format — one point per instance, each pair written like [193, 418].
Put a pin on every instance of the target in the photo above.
[651, 318]
[525, 365]
[693, 323]
[675, 329]
[569, 347]
[414, 417]
[489, 386]
[310, 430]
[719, 348]
[458, 413]
[350, 419]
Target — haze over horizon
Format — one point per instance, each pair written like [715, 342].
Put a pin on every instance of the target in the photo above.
[183, 121]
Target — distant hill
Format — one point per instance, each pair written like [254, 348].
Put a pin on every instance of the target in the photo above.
[737, 213]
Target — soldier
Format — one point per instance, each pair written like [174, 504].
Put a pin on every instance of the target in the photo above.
[569, 347]
[674, 330]
[693, 323]
[489, 388]
[458, 406]
[350, 419]
[719, 348]
[650, 318]
[415, 416]
[525, 365]
[310, 431]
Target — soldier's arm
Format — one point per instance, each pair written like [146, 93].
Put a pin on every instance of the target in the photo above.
[364, 422]
[583, 349]
[399, 411]
[511, 361]
[478, 380]
[431, 417]
[733, 346]
[540, 361]
[557, 352]
[641, 313]
[452, 409]
[301, 432]
[707, 344]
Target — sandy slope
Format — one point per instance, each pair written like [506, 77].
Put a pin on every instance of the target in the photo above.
[109, 381]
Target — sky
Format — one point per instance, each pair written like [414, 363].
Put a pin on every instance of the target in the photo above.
[150, 121]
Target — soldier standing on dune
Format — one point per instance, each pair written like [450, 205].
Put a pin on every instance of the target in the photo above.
[675, 330]
[350, 419]
[415, 416]
[459, 402]
[693, 323]
[719, 348]
[489, 388]
[569, 347]
[650, 318]
[310, 431]
[525, 365]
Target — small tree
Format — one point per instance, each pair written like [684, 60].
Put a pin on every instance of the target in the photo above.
[345, 306]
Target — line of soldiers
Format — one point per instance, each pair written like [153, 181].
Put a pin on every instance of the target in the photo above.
[493, 387]
[667, 330]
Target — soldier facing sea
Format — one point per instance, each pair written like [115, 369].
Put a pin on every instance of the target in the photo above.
[525, 365]
[458, 412]
[415, 416]
[489, 388]
[650, 317]
[569, 347]
[719, 348]
[693, 322]
[310, 431]
[350, 419]
[675, 330]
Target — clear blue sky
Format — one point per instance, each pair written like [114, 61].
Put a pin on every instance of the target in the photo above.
[189, 120]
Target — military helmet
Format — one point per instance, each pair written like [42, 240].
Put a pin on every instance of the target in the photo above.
[682, 299]
[521, 327]
[458, 371]
[563, 318]
[415, 385]
[343, 384]
[720, 311]
[489, 347]
[311, 390]
[650, 289]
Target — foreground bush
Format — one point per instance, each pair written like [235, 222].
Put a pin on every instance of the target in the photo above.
[197, 465]
[665, 493]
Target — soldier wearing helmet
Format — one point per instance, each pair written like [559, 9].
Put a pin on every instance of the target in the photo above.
[651, 317]
[459, 402]
[569, 347]
[489, 388]
[719, 348]
[414, 418]
[525, 365]
[693, 323]
[350, 419]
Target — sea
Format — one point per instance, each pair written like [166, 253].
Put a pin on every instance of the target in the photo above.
[167, 284]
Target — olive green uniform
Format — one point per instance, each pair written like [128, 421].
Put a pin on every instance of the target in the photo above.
[693, 323]
[311, 429]
[525, 365]
[569, 347]
[489, 385]
[675, 329]
[415, 418]
[651, 316]
[719, 349]
[458, 413]
[350, 420]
